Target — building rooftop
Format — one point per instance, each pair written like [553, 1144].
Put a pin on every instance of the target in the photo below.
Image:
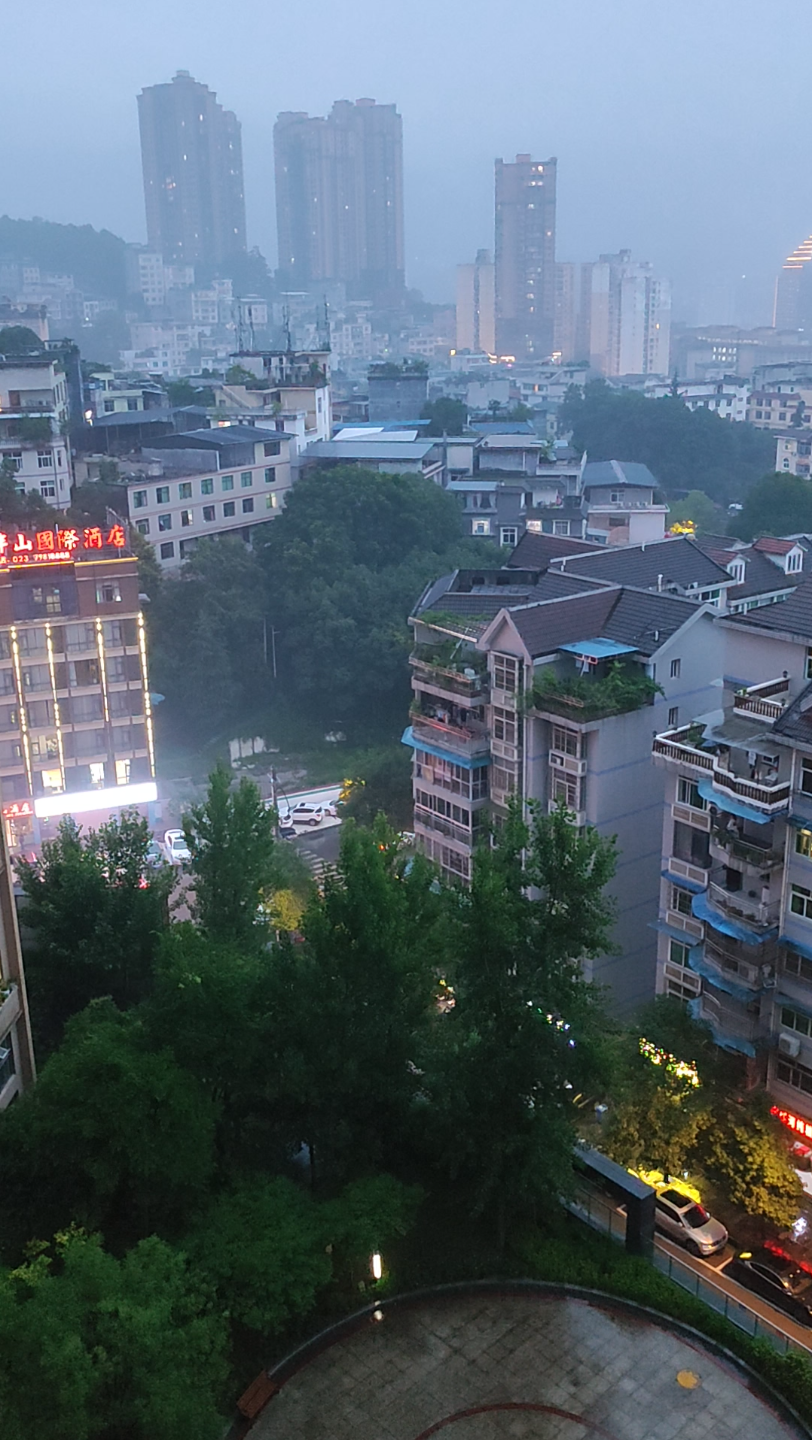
[635, 620]
[618, 472]
[540, 550]
[792, 616]
[215, 439]
[383, 449]
[769, 545]
[677, 561]
[796, 721]
[520, 428]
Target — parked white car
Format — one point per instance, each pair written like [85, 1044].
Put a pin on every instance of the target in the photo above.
[307, 814]
[689, 1223]
[176, 848]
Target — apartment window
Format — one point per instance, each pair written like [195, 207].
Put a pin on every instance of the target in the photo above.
[688, 794]
[504, 725]
[96, 769]
[678, 954]
[508, 535]
[803, 843]
[797, 965]
[47, 490]
[247, 504]
[164, 522]
[566, 791]
[108, 591]
[168, 550]
[561, 527]
[185, 518]
[246, 479]
[505, 672]
[565, 741]
[681, 900]
[207, 486]
[269, 476]
[806, 776]
[270, 502]
[614, 497]
[162, 495]
[798, 1076]
[185, 490]
[795, 1020]
[229, 509]
[690, 845]
[481, 527]
[47, 599]
[142, 526]
[504, 780]
[123, 772]
[673, 717]
[139, 499]
[208, 513]
[676, 666]
[227, 482]
[45, 459]
[272, 447]
[801, 902]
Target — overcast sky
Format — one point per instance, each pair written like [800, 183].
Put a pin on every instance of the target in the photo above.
[677, 126]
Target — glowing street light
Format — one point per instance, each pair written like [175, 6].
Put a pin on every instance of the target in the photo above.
[377, 1266]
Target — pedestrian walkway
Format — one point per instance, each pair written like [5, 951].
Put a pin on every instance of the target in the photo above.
[320, 869]
[518, 1367]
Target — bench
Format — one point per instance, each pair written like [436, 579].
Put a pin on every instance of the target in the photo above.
[256, 1397]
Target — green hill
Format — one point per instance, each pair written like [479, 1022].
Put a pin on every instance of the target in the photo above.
[95, 258]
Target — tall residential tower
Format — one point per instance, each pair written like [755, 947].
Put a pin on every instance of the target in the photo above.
[475, 305]
[339, 199]
[191, 153]
[525, 257]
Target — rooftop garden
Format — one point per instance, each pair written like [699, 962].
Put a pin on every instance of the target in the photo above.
[620, 690]
[450, 654]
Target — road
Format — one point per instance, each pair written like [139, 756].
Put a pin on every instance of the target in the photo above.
[713, 1270]
[319, 847]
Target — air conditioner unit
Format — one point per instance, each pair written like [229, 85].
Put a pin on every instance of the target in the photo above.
[789, 1045]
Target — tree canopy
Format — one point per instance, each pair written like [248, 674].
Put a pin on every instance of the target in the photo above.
[231, 842]
[684, 449]
[776, 505]
[445, 416]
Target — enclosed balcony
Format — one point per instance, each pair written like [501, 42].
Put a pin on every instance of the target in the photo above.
[453, 673]
[731, 841]
[451, 727]
[729, 892]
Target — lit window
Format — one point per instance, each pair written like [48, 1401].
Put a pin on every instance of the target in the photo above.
[247, 504]
[227, 482]
[481, 527]
[207, 486]
[108, 591]
[803, 843]
[162, 495]
[97, 772]
[246, 479]
[185, 490]
[168, 550]
[123, 772]
[270, 502]
[51, 781]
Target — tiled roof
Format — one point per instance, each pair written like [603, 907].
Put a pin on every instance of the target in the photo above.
[543, 627]
[761, 576]
[796, 721]
[678, 561]
[646, 620]
[792, 616]
[539, 550]
[618, 472]
[771, 546]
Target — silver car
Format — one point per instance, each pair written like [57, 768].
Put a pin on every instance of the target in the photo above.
[689, 1223]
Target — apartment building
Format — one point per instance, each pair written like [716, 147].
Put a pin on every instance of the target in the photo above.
[793, 453]
[75, 712]
[33, 426]
[224, 481]
[17, 1065]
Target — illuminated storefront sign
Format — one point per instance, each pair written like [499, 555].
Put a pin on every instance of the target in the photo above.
[81, 802]
[793, 1122]
[18, 810]
[57, 547]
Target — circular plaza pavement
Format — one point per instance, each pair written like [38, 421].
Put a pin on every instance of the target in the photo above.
[534, 1366]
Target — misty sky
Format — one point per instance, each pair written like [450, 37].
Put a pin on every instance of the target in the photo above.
[676, 126]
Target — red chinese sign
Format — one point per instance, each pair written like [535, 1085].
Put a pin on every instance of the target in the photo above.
[793, 1122]
[50, 547]
[18, 810]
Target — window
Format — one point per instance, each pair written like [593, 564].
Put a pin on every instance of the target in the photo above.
[673, 717]
[167, 550]
[508, 535]
[793, 561]
[688, 794]
[681, 900]
[208, 513]
[227, 482]
[139, 499]
[504, 725]
[185, 490]
[798, 1076]
[7, 1065]
[108, 591]
[164, 522]
[270, 502]
[269, 476]
[47, 490]
[185, 518]
[561, 527]
[614, 497]
[272, 447]
[45, 459]
[246, 479]
[247, 504]
[795, 1020]
[162, 495]
[481, 527]
[229, 509]
[565, 741]
[803, 843]
[678, 954]
[806, 776]
[801, 902]
[123, 772]
[505, 672]
[676, 666]
[51, 781]
[109, 407]
[142, 526]
[207, 486]
[132, 404]
[798, 965]
[566, 791]
[47, 599]
[690, 845]
[96, 769]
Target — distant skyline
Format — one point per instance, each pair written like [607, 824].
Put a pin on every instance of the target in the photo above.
[677, 129]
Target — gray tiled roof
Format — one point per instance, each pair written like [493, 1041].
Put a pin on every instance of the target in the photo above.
[646, 620]
[796, 721]
[792, 616]
[618, 472]
[678, 561]
[539, 550]
[631, 617]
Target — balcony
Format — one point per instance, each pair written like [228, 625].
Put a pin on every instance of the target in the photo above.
[439, 824]
[681, 745]
[772, 798]
[470, 739]
[726, 956]
[742, 905]
[726, 844]
[684, 746]
[463, 683]
[733, 1026]
[767, 700]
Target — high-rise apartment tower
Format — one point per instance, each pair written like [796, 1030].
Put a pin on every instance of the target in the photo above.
[793, 290]
[525, 257]
[339, 199]
[191, 153]
[475, 305]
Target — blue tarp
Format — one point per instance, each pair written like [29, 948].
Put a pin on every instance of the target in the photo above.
[797, 945]
[682, 882]
[723, 801]
[599, 649]
[726, 1042]
[703, 910]
[468, 763]
[665, 929]
[719, 981]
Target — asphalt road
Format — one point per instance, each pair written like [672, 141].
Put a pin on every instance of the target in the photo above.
[714, 1269]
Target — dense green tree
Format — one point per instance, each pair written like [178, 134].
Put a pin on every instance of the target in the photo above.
[231, 841]
[775, 505]
[186, 392]
[523, 1036]
[381, 784]
[698, 508]
[95, 1348]
[24, 510]
[747, 1157]
[445, 416]
[684, 449]
[368, 1216]
[94, 910]
[348, 1008]
[19, 340]
[114, 1135]
[262, 1245]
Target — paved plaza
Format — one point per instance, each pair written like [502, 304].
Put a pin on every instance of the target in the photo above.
[517, 1367]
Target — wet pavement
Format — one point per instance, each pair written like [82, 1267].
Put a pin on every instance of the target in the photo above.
[540, 1367]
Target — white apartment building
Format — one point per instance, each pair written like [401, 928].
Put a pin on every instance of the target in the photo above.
[216, 482]
[33, 426]
[630, 317]
[728, 398]
[793, 453]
